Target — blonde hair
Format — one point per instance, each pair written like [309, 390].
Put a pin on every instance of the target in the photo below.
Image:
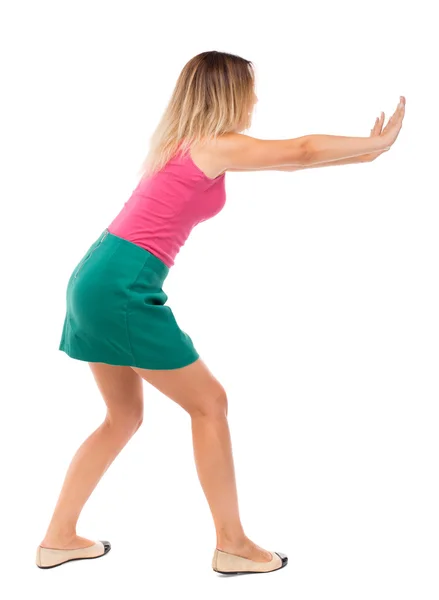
[212, 96]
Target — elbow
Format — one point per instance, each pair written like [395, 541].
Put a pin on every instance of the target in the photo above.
[308, 152]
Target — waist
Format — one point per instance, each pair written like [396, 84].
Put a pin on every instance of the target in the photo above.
[132, 253]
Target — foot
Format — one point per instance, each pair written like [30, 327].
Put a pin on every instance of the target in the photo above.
[247, 549]
[72, 543]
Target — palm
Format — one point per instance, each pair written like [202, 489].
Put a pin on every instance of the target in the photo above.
[377, 129]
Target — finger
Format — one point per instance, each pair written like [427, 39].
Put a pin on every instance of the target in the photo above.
[376, 128]
[396, 118]
[399, 114]
[396, 115]
[401, 105]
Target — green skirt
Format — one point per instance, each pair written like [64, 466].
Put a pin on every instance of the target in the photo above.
[116, 312]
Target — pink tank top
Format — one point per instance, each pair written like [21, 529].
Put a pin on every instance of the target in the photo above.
[164, 208]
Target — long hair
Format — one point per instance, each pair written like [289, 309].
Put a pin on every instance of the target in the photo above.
[212, 96]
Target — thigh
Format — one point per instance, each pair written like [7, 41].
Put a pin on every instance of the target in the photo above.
[121, 389]
[193, 387]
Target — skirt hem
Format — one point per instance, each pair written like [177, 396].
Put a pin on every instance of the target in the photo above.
[138, 366]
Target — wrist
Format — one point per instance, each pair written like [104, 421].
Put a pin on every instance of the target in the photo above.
[383, 143]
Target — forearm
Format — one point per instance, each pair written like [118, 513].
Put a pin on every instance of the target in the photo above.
[333, 149]
[364, 158]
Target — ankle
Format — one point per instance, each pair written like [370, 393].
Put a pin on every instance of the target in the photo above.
[230, 538]
[59, 535]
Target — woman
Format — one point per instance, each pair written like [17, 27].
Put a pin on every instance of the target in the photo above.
[117, 318]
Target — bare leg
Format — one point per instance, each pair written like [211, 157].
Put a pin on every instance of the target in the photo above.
[122, 390]
[196, 390]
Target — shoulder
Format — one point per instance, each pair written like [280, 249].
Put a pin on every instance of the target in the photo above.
[226, 144]
[213, 155]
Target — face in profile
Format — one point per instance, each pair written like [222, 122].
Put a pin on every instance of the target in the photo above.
[250, 113]
[255, 100]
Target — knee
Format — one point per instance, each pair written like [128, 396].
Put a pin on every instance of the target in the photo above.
[139, 420]
[125, 423]
[213, 404]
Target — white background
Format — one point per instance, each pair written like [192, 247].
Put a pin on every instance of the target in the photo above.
[313, 297]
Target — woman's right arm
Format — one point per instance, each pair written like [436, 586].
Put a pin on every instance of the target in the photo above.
[237, 151]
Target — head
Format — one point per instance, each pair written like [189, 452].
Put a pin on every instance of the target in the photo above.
[214, 94]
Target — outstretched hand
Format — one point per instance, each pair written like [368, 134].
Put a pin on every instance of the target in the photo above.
[394, 124]
[391, 130]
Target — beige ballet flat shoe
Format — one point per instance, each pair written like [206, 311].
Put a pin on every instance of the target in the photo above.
[231, 564]
[53, 557]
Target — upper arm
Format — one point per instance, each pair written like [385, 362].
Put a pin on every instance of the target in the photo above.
[239, 152]
[287, 168]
